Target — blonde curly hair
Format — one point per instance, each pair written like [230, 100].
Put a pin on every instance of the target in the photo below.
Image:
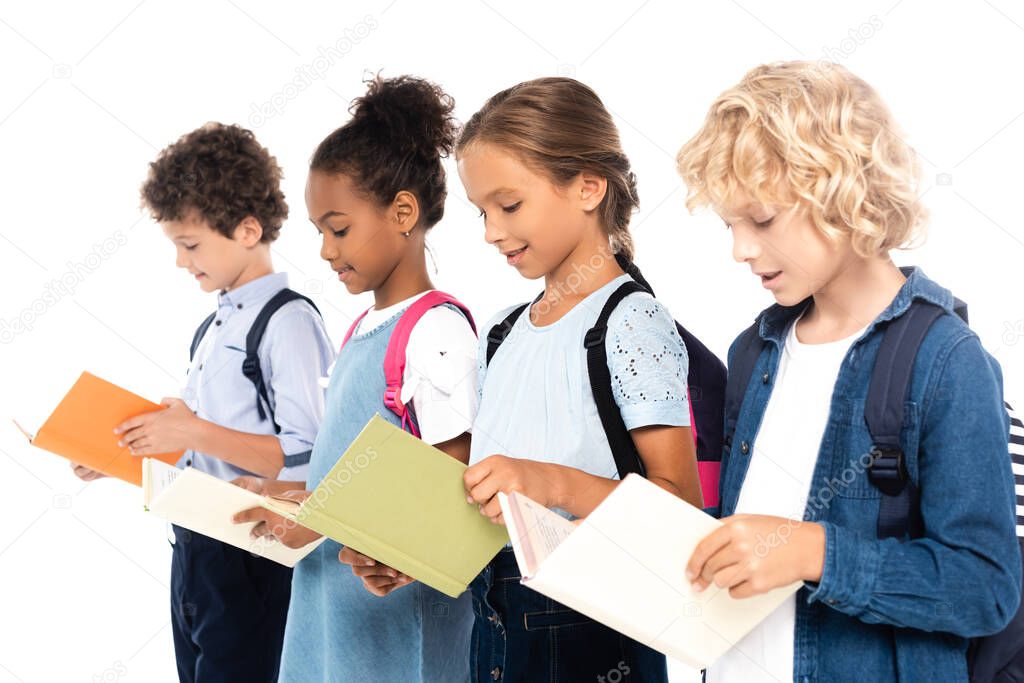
[810, 134]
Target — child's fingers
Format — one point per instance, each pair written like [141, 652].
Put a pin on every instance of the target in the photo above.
[377, 571]
[131, 423]
[743, 590]
[475, 474]
[349, 556]
[483, 492]
[298, 495]
[84, 473]
[380, 581]
[250, 515]
[261, 530]
[142, 447]
[129, 437]
[729, 576]
[381, 587]
[710, 545]
[254, 484]
[725, 557]
[492, 508]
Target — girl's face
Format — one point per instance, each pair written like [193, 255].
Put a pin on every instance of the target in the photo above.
[792, 258]
[216, 261]
[362, 241]
[534, 223]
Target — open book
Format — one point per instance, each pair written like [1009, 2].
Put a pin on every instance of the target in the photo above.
[205, 504]
[81, 428]
[624, 566]
[401, 501]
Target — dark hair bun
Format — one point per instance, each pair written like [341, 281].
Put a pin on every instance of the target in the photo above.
[410, 114]
[398, 133]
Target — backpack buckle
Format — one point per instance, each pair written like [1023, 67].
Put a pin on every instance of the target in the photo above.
[251, 366]
[887, 470]
[392, 401]
[594, 337]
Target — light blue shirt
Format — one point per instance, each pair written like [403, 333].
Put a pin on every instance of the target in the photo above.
[294, 354]
[535, 396]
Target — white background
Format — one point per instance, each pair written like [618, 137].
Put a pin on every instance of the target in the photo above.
[91, 91]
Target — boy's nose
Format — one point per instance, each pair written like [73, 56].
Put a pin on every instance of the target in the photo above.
[181, 261]
[745, 247]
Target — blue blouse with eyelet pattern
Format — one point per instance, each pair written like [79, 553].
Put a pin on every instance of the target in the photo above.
[535, 396]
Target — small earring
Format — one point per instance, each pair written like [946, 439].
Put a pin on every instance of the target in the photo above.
[406, 234]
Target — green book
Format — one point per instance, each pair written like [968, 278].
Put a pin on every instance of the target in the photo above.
[401, 501]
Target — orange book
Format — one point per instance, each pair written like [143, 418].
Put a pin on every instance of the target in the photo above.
[81, 428]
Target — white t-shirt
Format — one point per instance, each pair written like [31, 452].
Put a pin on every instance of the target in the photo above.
[778, 482]
[439, 381]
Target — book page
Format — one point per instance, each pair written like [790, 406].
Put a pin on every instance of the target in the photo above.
[158, 476]
[202, 503]
[535, 530]
[28, 435]
[623, 566]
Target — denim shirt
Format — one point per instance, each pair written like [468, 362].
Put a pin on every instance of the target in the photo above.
[886, 609]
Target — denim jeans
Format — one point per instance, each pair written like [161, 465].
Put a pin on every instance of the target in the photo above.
[520, 635]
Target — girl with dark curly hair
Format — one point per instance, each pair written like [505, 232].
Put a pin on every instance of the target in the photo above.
[376, 187]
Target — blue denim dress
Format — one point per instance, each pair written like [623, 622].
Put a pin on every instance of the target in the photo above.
[337, 630]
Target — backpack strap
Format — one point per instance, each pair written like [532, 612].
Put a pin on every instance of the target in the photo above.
[395, 356]
[200, 333]
[501, 330]
[748, 350]
[627, 457]
[898, 513]
[251, 365]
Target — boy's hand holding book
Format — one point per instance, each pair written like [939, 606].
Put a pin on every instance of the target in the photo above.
[161, 431]
[753, 554]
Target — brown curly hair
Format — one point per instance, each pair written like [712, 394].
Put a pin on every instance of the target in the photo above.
[221, 172]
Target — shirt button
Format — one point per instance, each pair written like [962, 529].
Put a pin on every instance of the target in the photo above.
[496, 673]
[216, 322]
[744, 448]
[188, 463]
[239, 306]
[764, 378]
[200, 366]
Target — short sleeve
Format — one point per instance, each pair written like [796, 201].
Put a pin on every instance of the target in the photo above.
[648, 364]
[440, 374]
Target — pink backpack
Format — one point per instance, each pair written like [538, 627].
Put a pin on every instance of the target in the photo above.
[394, 357]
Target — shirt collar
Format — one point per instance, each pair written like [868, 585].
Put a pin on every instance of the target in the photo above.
[774, 321]
[254, 293]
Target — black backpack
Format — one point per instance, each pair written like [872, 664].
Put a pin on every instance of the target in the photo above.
[999, 657]
[706, 387]
[251, 365]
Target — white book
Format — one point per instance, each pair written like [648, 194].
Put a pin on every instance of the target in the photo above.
[205, 504]
[624, 566]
